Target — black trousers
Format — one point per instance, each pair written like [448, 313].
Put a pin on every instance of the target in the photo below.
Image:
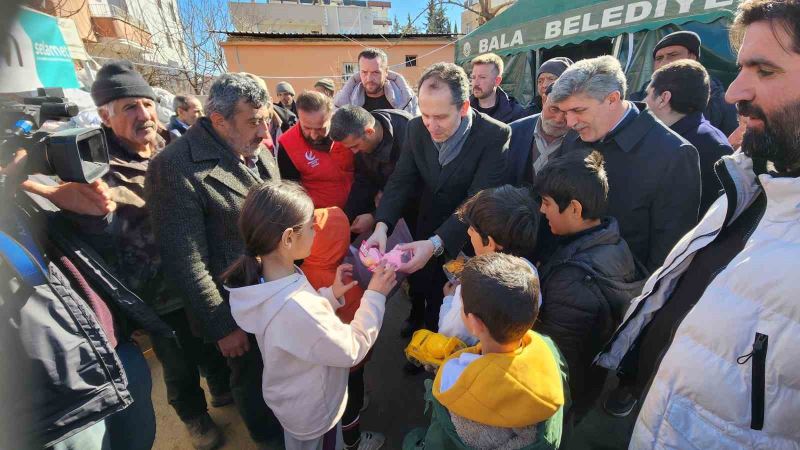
[183, 361]
[246, 373]
[425, 290]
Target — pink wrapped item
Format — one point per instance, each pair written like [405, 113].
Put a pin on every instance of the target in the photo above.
[371, 257]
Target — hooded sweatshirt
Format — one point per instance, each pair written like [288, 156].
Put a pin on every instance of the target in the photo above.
[331, 244]
[506, 390]
[307, 350]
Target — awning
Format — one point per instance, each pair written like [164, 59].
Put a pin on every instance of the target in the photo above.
[532, 24]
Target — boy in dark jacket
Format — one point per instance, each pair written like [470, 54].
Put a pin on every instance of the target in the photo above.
[591, 277]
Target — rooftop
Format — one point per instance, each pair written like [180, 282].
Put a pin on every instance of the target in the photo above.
[334, 36]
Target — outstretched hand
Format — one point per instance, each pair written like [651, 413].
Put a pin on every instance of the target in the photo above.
[340, 285]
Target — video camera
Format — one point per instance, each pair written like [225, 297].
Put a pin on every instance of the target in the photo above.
[73, 154]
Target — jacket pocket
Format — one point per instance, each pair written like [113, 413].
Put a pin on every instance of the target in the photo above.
[758, 358]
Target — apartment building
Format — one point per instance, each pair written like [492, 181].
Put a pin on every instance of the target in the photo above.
[312, 16]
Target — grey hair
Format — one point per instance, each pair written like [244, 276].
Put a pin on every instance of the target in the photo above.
[595, 77]
[450, 75]
[228, 89]
[108, 108]
[182, 102]
[350, 120]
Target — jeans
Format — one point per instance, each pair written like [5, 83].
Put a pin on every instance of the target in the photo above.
[183, 361]
[133, 428]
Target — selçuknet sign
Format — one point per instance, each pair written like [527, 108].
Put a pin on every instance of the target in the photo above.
[602, 17]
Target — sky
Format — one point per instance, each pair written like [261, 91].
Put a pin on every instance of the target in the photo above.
[401, 8]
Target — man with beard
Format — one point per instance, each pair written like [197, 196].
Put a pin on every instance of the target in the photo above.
[307, 154]
[377, 87]
[487, 95]
[195, 189]
[712, 343]
[534, 140]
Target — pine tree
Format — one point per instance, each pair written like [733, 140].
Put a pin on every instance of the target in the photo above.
[409, 27]
[396, 26]
[455, 28]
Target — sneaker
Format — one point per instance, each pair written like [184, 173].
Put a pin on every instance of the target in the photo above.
[369, 441]
[409, 327]
[620, 402]
[218, 401]
[204, 433]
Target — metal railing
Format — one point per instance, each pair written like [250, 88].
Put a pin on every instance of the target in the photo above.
[115, 12]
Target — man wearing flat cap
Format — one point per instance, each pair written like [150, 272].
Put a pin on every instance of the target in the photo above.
[686, 45]
[325, 86]
[286, 95]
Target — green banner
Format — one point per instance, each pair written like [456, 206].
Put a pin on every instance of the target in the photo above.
[593, 21]
[37, 55]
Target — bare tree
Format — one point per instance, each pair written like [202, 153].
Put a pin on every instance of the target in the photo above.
[197, 39]
[483, 8]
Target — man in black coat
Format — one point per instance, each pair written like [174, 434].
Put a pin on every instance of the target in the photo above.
[677, 95]
[487, 95]
[653, 174]
[451, 153]
[195, 189]
[686, 45]
[534, 140]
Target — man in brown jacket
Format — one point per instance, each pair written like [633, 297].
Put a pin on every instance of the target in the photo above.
[196, 188]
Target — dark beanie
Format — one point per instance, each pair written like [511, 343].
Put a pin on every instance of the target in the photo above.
[688, 39]
[556, 66]
[118, 79]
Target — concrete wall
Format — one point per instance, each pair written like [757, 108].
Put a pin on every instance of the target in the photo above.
[282, 60]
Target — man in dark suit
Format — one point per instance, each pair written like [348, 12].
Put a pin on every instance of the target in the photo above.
[195, 189]
[534, 140]
[653, 174]
[677, 95]
[452, 152]
[686, 45]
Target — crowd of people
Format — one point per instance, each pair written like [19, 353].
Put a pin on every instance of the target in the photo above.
[625, 254]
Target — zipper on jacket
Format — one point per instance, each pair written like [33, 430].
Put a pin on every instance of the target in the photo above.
[758, 379]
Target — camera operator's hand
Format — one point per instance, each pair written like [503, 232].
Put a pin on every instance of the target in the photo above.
[89, 199]
[14, 169]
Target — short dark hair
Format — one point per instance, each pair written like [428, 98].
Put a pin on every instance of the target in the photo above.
[579, 176]
[784, 13]
[372, 53]
[450, 75]
[350, 120]
[506, 213]
[182, 102]
[687, 81]
[313, 101]
[503, 291]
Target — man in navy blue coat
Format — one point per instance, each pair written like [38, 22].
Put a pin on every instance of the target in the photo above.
[653, 173]
[677, 95]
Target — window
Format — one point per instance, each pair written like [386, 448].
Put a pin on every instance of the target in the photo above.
[411, 60]
[348, 70]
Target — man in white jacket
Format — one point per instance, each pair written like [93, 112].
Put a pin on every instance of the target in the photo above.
[712, 341]
[377, 87]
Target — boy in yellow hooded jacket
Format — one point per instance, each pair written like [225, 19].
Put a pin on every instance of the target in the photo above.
[508, 391]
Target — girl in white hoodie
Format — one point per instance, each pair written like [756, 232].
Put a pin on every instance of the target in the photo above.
[307, 350]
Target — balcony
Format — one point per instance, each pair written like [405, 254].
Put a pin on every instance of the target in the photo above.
[113, 24]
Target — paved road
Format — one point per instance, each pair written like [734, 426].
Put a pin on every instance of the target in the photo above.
[395, 399]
